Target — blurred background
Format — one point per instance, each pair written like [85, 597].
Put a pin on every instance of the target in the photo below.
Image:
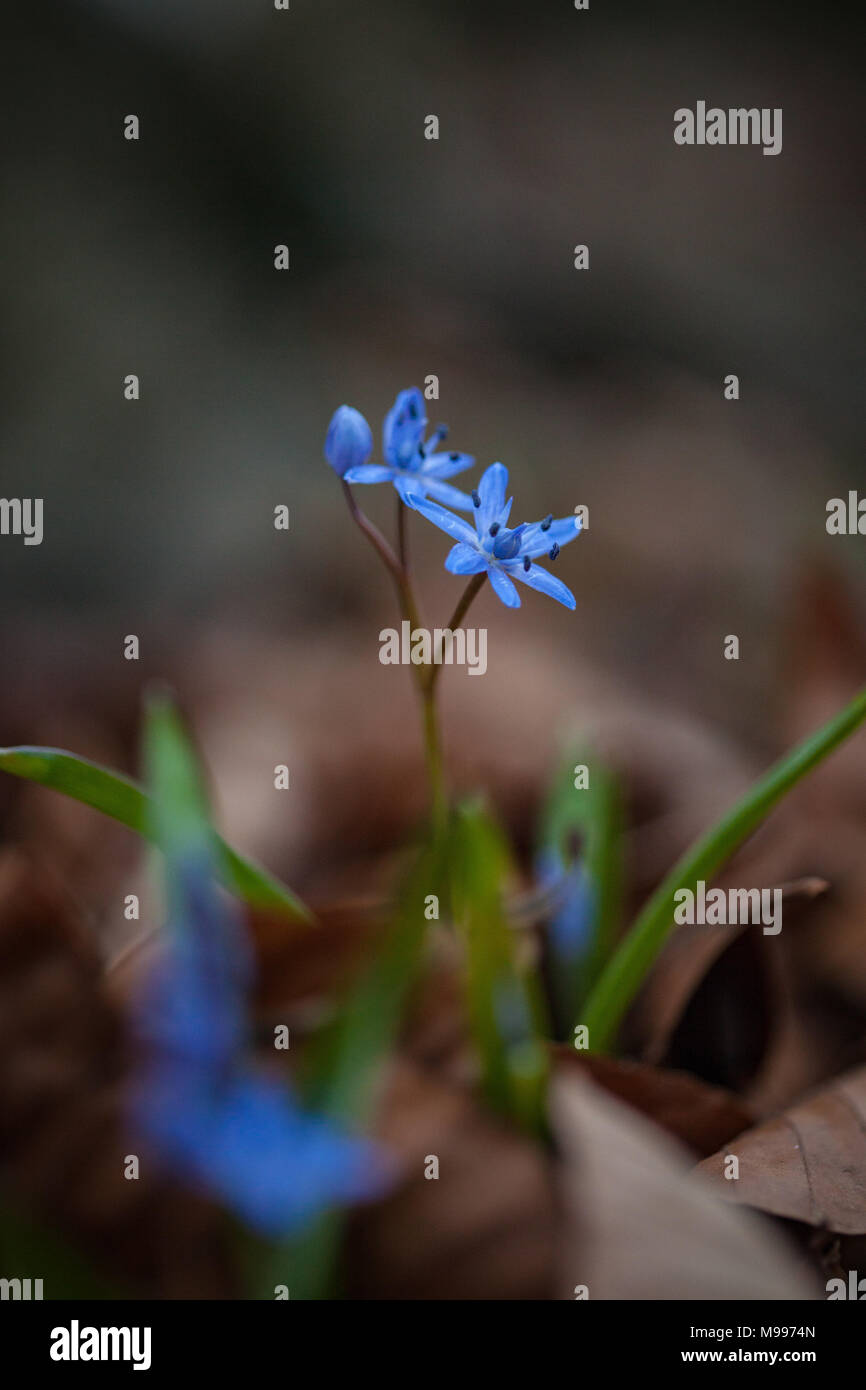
[412, 257]
[603, 388]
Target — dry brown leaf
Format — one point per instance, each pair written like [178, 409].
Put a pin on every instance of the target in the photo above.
[699, 1115]
[638, 1227]
[808, 1164]
[615, 1210]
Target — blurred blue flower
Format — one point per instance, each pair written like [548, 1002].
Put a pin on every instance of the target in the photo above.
[415, 467]
[211, 1113]
[504, 554]
[571, 925]
[349, 441]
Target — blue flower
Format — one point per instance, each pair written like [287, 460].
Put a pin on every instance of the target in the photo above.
[349, 441]
[571, 925]
[505, 554]
[415, 467]
[211, 1113]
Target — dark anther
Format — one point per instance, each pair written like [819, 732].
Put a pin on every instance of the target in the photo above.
[526, 563]
[476, 500]
[545, 525]
[494, 528]
[554, 551]
[454, 457]
[421, 451]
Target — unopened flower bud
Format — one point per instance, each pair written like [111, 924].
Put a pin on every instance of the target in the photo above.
[349, 442]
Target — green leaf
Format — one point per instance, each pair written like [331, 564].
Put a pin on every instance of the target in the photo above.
[124, 800]
[625, 973]
[178, 819]
[177, 814]
[504, 1007]
[307, 1263]
[583, 825]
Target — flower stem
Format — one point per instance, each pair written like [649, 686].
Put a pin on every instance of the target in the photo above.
[409, 610]
[435, 768]
[427, 690]
[374, 536]
[469, 593]
[405, 595]
[402, 535]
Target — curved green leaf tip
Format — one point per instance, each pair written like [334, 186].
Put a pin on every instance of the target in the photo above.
[124, 801]
[180, 819]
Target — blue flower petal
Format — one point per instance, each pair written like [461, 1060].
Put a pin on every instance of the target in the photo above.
[206, 1108]
[404, 427]
[544, 582]
[491, 490]
[411, 489]
[537, 542]
[369, 473]
[187, 1012]
[192, 1002]
[451, 496]
[446, 521]
[570, 930]
[446, 465]
[274, 1165]
[465, 559]
[503, 587]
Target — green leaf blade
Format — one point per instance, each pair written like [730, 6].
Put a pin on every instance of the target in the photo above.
[624, 974]
[504, 1008]
[119, 797]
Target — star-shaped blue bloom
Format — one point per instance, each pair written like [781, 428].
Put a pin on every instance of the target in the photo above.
[416, 467]
[212, 1113]
[505, 554]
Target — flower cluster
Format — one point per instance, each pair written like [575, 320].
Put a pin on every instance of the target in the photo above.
[418, 468]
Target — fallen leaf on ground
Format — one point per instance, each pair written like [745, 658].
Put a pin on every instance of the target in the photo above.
[697, 1114]
[636, 1227]
[808, 1164]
